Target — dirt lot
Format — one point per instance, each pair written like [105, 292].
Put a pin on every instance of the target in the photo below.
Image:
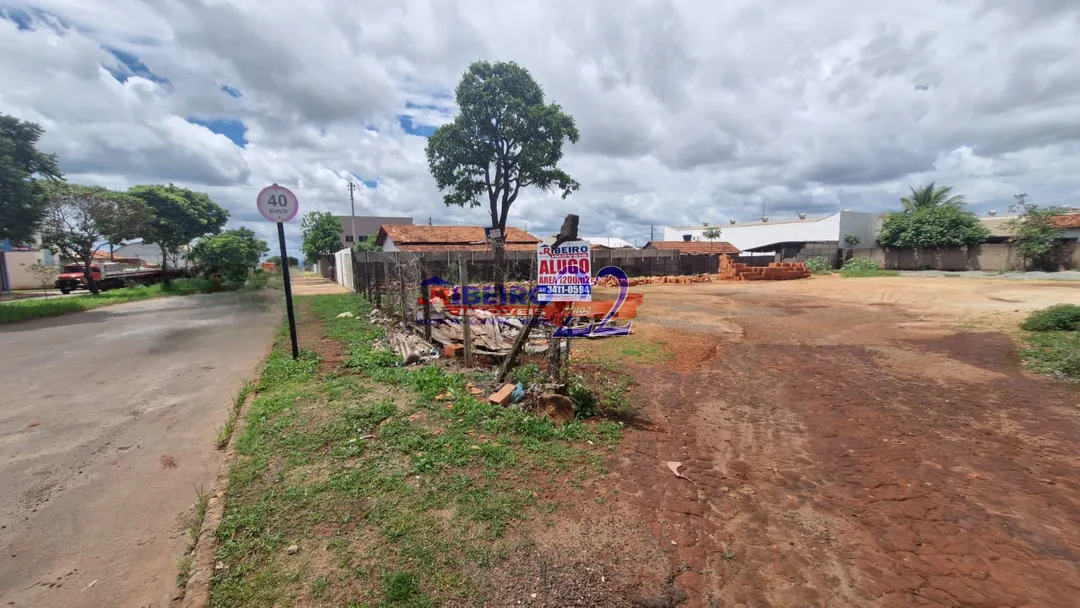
[851, 442]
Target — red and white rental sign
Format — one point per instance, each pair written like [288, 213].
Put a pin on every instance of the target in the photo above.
[564, 274]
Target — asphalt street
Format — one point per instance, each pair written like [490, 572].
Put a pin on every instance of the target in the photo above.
[107, 426]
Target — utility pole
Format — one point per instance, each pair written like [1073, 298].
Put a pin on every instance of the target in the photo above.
[652, 233]
[352, 213]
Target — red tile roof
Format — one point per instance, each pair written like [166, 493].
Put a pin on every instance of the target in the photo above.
[1068, 220]
[451, 238]
[695, 247]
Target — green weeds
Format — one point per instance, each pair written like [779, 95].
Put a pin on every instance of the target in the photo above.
[402, 477]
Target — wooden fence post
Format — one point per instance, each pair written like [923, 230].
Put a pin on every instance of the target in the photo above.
[401, 293]
[463, 276]
[425, 294]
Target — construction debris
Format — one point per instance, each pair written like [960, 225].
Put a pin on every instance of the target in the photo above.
[411, 347]
[776, 271]
[502, 396]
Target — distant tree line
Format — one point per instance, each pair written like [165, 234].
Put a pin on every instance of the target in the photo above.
[77, 220]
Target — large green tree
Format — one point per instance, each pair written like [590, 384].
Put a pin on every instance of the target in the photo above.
[23, 173]
[180, 216]
[932, 218]
[1036, 235]
[80, 219]
[503, 139]
[321, 232]
[228, 257]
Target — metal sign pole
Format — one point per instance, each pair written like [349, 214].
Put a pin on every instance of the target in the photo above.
[288, 290]
[278, 204]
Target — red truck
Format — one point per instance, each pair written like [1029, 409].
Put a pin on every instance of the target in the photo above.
[107, 275]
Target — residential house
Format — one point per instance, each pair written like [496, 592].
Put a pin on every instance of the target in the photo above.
[448, 238]
[607, 242]
[1001, 230]
[355, 229]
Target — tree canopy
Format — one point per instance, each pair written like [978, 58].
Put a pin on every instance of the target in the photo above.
[931, 196]
[228, 257]
[180, 216]
[321, 232]
[505, 138]
[79, 219]
[1036, 235]
[276, 259]
[711, 233]
[932, 218]
[368, 244]
[23, 170]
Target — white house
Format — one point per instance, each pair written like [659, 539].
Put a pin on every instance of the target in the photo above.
[831, 228]
[607, 242]
[15, 263]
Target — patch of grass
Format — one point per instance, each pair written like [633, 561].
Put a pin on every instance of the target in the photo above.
[865, 267]
[1055, 353]
[853, 274]
[411, 497]
[23, 310]
[37, 308]
[193, 528]
[1060, 317]
[225, 433]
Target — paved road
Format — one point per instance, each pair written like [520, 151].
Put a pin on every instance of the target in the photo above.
[107, 422]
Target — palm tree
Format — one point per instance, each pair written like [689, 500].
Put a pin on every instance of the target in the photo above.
[931, 196]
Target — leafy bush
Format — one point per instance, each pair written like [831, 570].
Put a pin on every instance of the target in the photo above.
[865, 267]
[819, 265]
[862, 264]
[1061, 317]
[585, 403]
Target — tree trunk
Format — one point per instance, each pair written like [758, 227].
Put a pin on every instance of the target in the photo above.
[165, 280]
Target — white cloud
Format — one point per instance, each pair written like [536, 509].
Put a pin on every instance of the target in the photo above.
[688, 111]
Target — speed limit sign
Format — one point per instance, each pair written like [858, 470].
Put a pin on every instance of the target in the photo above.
[277, 203]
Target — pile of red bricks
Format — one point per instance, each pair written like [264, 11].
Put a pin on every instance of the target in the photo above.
[776, 271]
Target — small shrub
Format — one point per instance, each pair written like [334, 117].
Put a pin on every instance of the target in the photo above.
[862, 264]
[819, 265]
[1061, 317]
[865, 267]
[585, 403]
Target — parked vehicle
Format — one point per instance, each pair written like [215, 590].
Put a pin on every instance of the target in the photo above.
[108, 275]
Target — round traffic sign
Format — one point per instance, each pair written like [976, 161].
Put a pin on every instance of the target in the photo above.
[277, 203]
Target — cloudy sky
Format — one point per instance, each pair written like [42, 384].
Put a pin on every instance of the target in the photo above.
[689, 111]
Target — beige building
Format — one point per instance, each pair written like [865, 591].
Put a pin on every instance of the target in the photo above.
[15, 263]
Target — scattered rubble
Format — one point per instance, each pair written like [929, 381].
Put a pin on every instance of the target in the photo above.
[502, 396]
